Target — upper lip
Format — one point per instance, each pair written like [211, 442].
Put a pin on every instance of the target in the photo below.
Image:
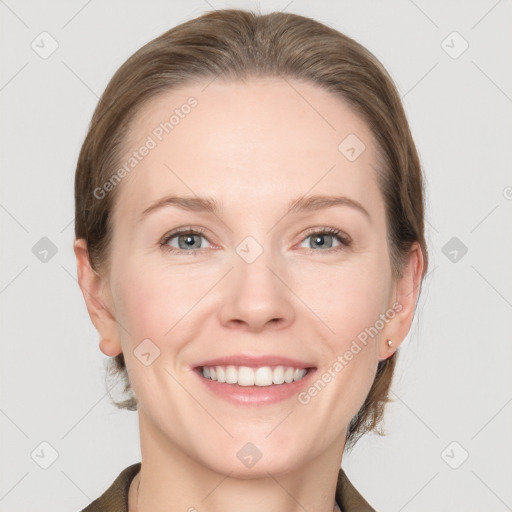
[255, 361]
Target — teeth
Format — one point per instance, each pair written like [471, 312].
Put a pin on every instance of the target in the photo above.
[263, 376]
[221, 374]
[246, 376]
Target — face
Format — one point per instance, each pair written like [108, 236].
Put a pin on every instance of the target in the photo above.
[250, 278]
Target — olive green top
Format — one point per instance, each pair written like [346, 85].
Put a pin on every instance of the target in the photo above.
[115, 498]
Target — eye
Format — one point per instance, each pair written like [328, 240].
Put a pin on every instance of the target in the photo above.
[324, 239]
[187, 240]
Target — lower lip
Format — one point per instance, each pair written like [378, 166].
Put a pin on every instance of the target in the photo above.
[256, 395]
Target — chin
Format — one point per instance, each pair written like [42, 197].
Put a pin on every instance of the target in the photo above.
[261, 469]
[252, 459]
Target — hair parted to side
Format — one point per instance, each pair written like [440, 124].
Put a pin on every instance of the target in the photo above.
[238, 45]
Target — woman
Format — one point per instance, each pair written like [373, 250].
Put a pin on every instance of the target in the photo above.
[250, 246]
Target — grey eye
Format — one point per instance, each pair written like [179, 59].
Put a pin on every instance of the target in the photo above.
[186, 241]
[321, 240]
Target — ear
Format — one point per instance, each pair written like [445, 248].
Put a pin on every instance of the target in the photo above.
[98, 301]
[405, 295]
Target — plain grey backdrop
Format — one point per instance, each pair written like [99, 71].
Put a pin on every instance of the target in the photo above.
[449, 430]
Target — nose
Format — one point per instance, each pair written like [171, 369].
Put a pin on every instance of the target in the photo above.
[255, 296]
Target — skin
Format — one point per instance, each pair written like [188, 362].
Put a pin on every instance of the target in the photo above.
[253, 147]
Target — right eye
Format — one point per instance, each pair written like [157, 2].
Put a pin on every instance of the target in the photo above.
[188, 241]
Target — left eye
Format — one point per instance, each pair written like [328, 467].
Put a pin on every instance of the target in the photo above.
[324, 239]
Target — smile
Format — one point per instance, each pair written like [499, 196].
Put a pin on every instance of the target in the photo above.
[248, 376]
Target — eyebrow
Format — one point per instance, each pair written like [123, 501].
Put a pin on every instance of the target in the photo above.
[301, 204]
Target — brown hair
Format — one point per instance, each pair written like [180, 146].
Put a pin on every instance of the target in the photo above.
[238, 44]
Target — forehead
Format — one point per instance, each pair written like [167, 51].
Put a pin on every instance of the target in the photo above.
[266, 140]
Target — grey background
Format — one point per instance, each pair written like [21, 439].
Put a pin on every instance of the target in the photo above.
[453, 381]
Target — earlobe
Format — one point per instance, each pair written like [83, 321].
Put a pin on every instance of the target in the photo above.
[98, 304]
[387, 350]
[109, 347]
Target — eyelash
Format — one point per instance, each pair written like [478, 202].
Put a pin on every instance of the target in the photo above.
[344, 240]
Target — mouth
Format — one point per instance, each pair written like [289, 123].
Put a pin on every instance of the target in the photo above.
[247, 376]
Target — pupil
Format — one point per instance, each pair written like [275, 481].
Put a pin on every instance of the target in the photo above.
[319, 237]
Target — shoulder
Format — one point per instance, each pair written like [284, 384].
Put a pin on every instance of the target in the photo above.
[115, 498]
[348, 497]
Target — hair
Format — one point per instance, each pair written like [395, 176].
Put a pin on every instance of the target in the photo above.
[236, 45]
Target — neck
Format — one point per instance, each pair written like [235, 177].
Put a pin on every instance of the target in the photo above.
[170, 477]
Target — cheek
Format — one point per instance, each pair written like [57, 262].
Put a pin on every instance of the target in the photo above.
[158, 304]
[358, 298]
[148, 315]
[150, 299]
[347, 299]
